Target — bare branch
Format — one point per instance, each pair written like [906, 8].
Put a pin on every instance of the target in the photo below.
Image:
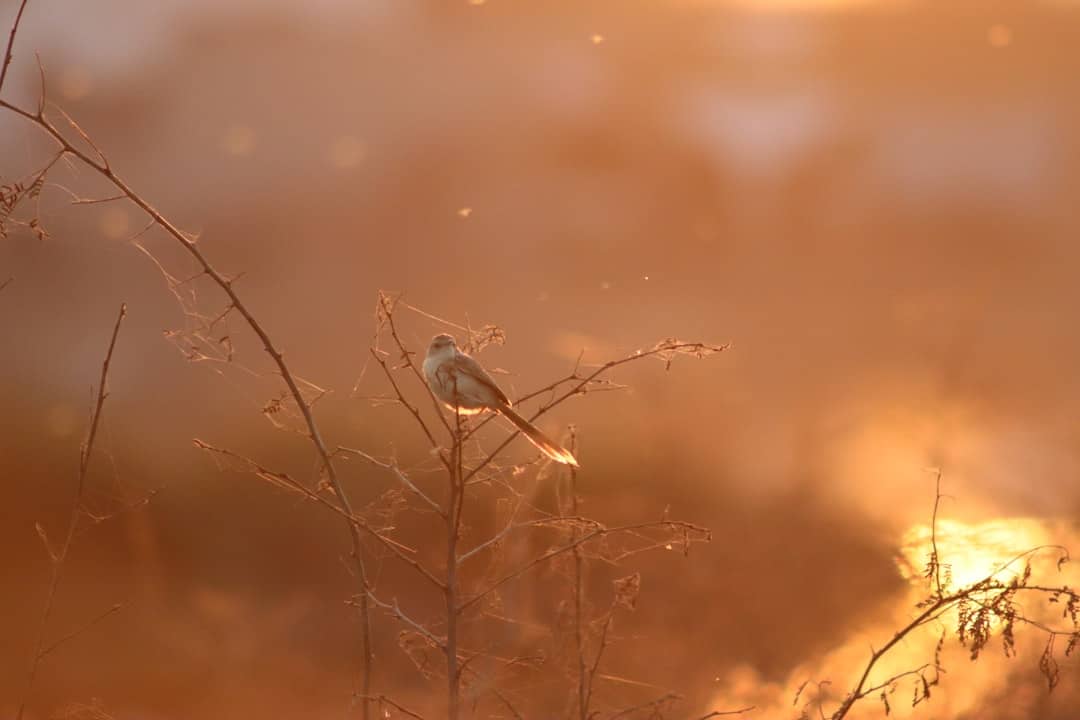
[383, 700]
[665, 349]
[394, 609]
[601, 531]
[399, 474]
[285, 480]
[79, 631]
[721, 713]
[408, 406]
[388, 312]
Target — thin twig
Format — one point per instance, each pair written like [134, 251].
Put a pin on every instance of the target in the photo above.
[8, 55]
[80, 630]
[388, 309]
[284, 479]
[394, 609]
[384, 700]
[592, 535]
[453, 535]
[585, 679]
[59, 557]
[413, 410]
[399, 474]
[582, 383]
[721, 713]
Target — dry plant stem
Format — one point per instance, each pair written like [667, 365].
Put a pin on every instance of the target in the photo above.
[602, 643]
[700, 532]
[722, 713]
[388, 307]
[399, 474]
[382, 700]
[59, 557]
[935, 562]
[860, 690]
[413, 410]
[453, 533]
[584, 689]
[395, 548]
[80, 630]
[102, 167]
[652, 704]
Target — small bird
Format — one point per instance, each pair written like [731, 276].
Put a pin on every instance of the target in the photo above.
[463, 385]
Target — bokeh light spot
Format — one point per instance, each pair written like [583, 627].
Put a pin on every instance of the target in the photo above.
[115, 223]
[239, 140]
[75, 83]
[999, 36]
[347, 152]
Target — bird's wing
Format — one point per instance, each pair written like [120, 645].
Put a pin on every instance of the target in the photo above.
[465, 365]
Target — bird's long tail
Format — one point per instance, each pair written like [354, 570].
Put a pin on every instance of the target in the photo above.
[545, 444]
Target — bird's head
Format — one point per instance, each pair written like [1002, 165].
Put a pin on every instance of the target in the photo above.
[441, 344]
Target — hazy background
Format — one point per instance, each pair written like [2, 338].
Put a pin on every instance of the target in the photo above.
[875, 202]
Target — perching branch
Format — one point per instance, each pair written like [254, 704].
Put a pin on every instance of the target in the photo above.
[666, 349]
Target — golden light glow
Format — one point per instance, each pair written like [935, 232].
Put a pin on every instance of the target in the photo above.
[970, 552]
